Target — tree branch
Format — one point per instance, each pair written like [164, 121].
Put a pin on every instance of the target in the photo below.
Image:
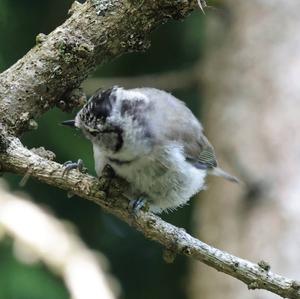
[20, 160]
[96, 32]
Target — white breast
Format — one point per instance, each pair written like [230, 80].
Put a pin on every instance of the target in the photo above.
[100, 159]
[164, 177]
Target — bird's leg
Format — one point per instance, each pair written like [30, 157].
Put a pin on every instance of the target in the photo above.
[69, 165]
[108, 172]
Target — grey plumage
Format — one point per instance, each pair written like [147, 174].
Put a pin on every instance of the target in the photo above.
[151, 139]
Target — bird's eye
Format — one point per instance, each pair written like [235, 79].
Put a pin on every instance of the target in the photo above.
[93, 133]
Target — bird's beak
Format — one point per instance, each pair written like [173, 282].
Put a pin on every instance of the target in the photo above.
[70, 123]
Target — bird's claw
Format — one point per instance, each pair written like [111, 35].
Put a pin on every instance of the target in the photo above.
[69, 165]
[135, 205]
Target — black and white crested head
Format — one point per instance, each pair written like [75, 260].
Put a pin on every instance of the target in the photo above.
[94, 113]
[116, 119]
[94, 120]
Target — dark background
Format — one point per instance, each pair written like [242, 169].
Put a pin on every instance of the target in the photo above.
[135, 261]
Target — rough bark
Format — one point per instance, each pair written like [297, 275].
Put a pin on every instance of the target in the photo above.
[96, 32]
[252, 117]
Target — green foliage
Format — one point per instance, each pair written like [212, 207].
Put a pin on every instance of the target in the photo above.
[20, 281]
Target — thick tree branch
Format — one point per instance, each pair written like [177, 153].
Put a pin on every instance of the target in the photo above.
[96, 32]
[20, 160]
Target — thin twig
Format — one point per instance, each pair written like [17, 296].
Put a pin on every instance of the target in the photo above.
[174, 80]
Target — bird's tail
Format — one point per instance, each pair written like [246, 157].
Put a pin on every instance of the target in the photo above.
[216, 171]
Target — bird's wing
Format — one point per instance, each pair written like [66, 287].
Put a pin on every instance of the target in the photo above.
[187, 131]
[200, 153]
[177, 123]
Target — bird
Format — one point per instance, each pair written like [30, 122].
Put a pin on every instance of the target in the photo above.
[152, 140]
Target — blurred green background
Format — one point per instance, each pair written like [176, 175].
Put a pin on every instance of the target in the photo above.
[135, 261]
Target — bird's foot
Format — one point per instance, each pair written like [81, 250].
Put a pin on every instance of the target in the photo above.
[141, 203]
[69, 165]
